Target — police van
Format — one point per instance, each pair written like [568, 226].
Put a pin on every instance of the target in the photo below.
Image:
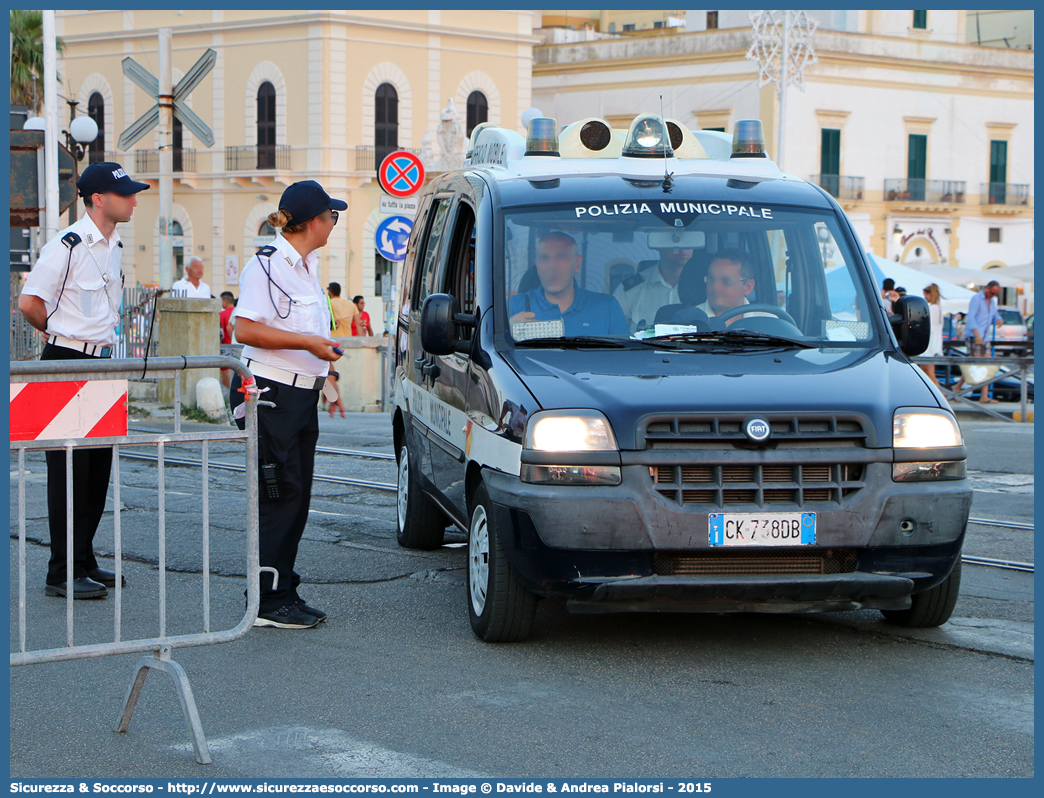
[644, 370]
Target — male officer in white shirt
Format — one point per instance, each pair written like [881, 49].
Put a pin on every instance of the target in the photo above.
[283, 320]
[73, 295]
[643, 294]
[192, 283]
[730, 281]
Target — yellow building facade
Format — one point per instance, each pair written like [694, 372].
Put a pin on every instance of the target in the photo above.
[293, 95]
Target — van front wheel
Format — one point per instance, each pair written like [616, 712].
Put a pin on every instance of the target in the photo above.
[501, 609]
[932, 607]
[420, 522]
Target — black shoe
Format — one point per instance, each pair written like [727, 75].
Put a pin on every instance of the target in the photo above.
[83, 588]
[287, 617]
[300, 604]
[107, 578]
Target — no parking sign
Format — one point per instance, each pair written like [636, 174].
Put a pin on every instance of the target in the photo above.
[401, 174]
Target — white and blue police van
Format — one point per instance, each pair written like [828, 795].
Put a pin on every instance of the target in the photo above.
[645, 371]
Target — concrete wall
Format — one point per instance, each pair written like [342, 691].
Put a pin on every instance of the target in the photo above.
[188, 327]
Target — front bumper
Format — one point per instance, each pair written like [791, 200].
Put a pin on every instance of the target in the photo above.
[599, 546]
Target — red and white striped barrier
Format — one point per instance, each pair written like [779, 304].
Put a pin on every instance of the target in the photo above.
[63, 410]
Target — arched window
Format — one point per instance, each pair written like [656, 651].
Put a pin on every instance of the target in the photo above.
[96, 111]
[265, 234]
[386, 122]
[478, 110]
[178, 236]
[266, 126]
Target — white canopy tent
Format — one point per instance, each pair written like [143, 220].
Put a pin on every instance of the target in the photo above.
[1023, 272]
[978, 277]
[955, 298]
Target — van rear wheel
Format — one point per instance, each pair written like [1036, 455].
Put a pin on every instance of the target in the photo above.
[421, 524]
[501, 609]
[932, 607]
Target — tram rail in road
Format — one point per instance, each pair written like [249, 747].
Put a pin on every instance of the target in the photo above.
[1011, 565]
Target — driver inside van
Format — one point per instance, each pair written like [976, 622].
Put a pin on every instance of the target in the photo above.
[729, 282]
[582, 312]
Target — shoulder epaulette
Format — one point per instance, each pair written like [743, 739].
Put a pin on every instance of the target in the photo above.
[71, 240]
[268, 251]
[119, 244]
[632, 282]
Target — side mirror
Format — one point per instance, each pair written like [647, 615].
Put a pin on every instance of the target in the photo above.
[438, 332]
[912, 324]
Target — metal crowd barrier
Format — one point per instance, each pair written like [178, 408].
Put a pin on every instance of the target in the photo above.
[162, 645]
[1018, 366]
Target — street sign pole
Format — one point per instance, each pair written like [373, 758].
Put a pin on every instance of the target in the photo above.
[50, 197]
[164, 100]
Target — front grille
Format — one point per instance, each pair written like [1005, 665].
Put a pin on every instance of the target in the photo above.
[796, 484]
[755, 563]
[726, 432]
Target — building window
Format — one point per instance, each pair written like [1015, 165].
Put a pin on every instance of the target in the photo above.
[716, 129]
[657, 25]
[96, 111]
[830, 160]
[629, 28]
[995, 235]
[916, 165]
[266, 126]
[178, 236]
[712, 20]
[478, 110]
[920, 20]
[386, 122]
[177, 146]
[265, 234]
[998, 171]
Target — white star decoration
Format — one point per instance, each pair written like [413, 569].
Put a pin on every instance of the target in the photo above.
[767, 47]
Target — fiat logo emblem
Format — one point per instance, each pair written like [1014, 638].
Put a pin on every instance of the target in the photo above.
[757, 429]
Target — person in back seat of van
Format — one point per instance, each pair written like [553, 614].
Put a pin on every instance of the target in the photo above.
[642, 295]
[730, 281]
[558, 296]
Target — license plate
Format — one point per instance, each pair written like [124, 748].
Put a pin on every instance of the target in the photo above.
[762, 529]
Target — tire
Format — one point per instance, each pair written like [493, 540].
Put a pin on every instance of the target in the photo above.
[421, 524]
[932, 607]
[501, 609]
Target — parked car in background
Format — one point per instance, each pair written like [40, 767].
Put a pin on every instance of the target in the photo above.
[1014, 327]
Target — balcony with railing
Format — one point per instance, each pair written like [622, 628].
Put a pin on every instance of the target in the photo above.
[274, 157]
[844, 187]
[369, 157]
[909, 189]
[146, 162]
[1004, 194]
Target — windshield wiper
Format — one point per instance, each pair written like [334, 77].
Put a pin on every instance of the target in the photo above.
[740, 337]
[574, 342]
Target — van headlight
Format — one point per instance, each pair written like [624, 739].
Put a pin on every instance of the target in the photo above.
[924, 428]
[574, 435]
[569, 431]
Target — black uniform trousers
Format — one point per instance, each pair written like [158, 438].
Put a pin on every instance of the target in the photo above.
[91, 471]
[287, 435]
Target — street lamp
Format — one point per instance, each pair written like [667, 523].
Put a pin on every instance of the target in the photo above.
[82, 131]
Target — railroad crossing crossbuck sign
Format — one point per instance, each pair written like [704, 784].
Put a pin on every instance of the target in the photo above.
[401, 174]
[150, 83]
[393, 237]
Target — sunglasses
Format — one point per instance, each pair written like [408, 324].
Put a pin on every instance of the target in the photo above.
[728, 282]
[334, 215]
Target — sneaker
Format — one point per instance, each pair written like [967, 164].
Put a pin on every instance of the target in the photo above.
[300, 604]
[288, 617]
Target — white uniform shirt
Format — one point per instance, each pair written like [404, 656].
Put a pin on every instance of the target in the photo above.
[203, 292]
[643, 300]
[88, 309]
[299, 307]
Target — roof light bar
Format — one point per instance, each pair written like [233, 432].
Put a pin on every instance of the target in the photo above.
[648, 138]
[543, 136]
[748, 139]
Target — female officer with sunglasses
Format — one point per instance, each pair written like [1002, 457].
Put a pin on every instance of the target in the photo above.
[283, 320]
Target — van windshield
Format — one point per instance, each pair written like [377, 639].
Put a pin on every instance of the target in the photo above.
[652, 269]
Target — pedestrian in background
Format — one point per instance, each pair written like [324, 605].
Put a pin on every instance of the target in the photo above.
[73, 294]
[361, 322]
[192, 283]
[344, 312]
[283, 321]
[888, 294]
[228, 304]
[982, 316]
[935, 342]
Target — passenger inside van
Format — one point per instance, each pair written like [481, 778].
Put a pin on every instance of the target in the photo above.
[582, 312]
[730, 280]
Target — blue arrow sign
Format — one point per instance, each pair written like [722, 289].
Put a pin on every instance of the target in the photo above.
[393, 236]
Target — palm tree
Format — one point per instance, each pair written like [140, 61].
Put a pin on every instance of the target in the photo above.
[27, 58]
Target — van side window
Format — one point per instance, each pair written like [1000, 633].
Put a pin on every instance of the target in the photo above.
[459, 276]
[430, 257]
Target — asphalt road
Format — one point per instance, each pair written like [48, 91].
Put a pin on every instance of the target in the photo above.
[394, 683]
